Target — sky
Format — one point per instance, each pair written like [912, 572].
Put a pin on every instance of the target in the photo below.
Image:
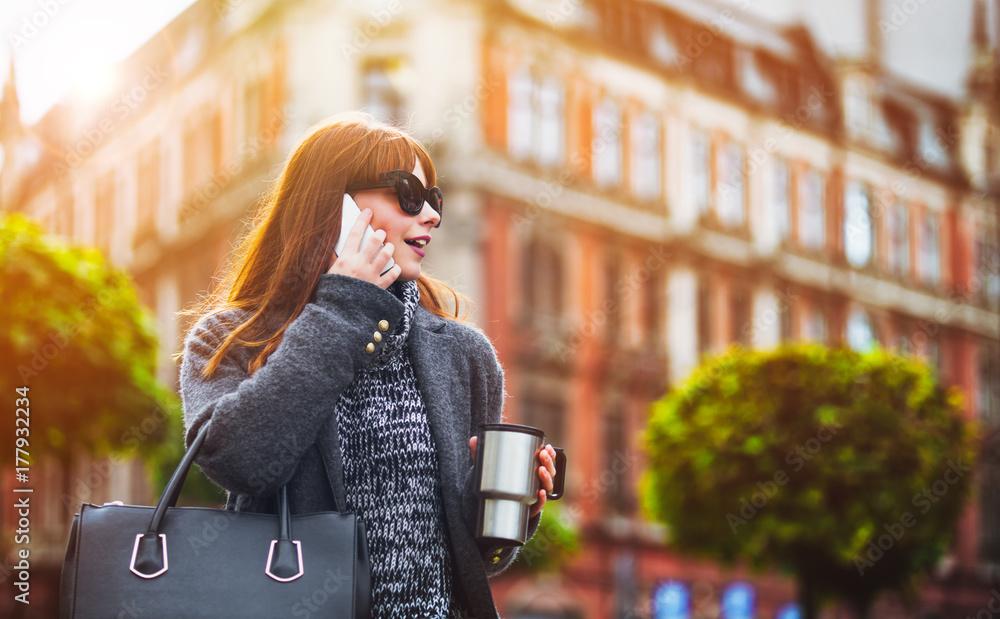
[59, 45]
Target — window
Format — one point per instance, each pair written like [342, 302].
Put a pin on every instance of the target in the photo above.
[545, 414]
[740, 315]
[535, 118]
[812, 215]
[755, 83]
[652, 309]
[929, 249]
[201, 149]
[607, 146]
[612, 299]
[903, 344]
[647, 166]
[988, 408]
[549, 147]
[785, 323]
[379, 94]
[780, 198]
[700, 171]
[704, 315]
[542, 281]
[616, 499]
[732, 187]
[251, 113]
[899, 239]
[661, 43]
[148, 181]
[860, 335]
[988, 268]
[857, 225]
[814, 324]
[104, 212]
[521, 88]
[932, 150]
[988, 395]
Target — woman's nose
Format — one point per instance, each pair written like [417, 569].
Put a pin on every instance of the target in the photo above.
[429, 216]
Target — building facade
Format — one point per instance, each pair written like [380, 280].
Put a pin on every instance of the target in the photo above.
[630, 185]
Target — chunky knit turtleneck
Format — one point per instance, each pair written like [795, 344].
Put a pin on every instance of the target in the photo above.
[390, 471]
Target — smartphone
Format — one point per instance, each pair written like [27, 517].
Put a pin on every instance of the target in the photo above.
[349, 213]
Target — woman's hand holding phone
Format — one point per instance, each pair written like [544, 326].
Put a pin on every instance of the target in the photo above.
[366, 260]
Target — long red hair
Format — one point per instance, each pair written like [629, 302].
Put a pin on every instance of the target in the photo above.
[278, 263]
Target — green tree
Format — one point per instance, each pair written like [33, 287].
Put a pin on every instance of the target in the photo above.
[849, 470]
[82, 349]
[555, 541]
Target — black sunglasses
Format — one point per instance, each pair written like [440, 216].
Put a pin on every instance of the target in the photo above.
[410, 192]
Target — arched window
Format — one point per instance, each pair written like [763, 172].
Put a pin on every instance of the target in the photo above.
[899, 239]
[812, 212]
[732, 198]
[535, 118]
[542, 283]
[857, 225]
[549, 120]
[860, 334]
[647, 160]
[700, 172]
[607, 145]
[519, 115]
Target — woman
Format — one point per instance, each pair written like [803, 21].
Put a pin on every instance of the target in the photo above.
[353, 388]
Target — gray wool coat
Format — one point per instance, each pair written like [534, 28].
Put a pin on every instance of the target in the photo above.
[278, 426]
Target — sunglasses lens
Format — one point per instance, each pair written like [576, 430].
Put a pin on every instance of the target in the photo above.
[435, 198]
[409, 195]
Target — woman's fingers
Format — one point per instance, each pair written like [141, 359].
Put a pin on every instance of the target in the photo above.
[389, 276]
[366, 260]
[472, 445]
[371, 248]
[537, 505]
[546, 478]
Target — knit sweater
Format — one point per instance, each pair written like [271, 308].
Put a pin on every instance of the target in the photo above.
[390, 471]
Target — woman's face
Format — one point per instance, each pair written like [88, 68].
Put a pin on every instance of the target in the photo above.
[404, 231]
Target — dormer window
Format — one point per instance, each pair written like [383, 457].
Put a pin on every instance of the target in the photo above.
[753, 79]
[931, 148]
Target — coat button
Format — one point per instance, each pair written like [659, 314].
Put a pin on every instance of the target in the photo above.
[370, 348]
[383, 325]
[377, 337]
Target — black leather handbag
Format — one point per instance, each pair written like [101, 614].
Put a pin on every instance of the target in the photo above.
[171, 562]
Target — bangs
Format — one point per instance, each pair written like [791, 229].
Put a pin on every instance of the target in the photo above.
[389, 149]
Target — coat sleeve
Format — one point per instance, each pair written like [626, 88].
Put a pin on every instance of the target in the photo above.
[496, 559]
[263, 424]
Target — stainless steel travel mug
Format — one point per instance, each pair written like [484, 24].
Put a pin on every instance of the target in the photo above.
[506, 474]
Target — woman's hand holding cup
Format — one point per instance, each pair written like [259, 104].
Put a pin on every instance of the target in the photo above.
[546, 472]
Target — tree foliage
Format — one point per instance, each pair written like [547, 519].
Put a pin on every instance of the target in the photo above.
[555, 541]
[75, 333]
[848, 469]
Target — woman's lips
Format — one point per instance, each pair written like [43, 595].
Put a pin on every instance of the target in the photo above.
[418, 243]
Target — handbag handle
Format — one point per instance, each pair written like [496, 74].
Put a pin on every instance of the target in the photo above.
[149, 553]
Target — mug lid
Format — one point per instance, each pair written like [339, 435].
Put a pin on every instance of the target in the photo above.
[513, 427]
